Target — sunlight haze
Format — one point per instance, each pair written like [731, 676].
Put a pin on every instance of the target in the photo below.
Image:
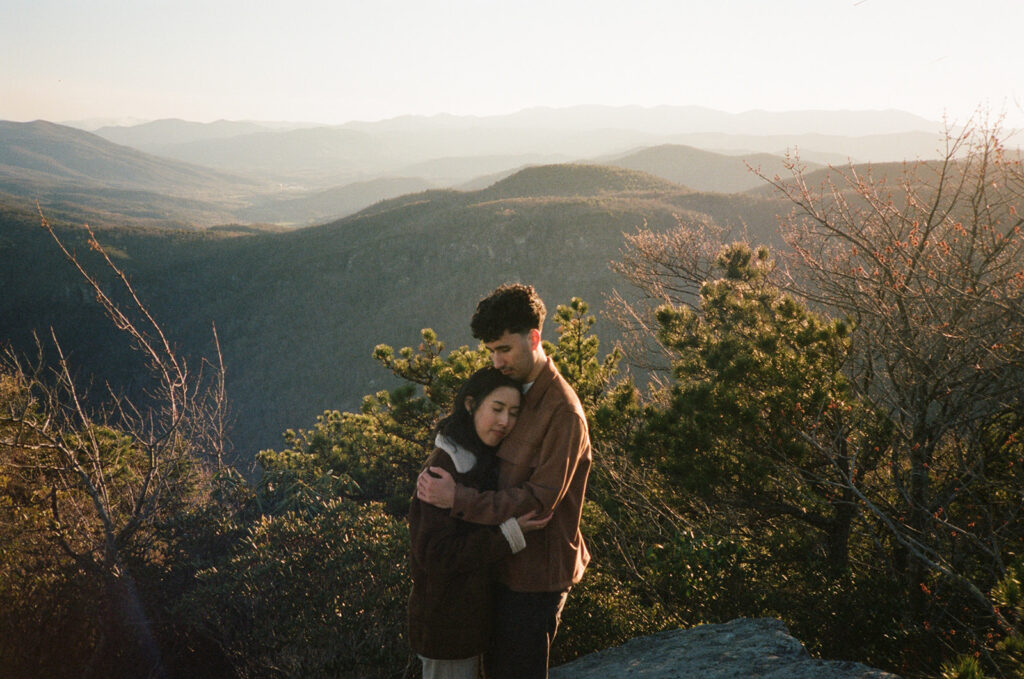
[333, 62]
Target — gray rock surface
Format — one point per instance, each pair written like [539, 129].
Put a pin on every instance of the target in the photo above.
[746, 647]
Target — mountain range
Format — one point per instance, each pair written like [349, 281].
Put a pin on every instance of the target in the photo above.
[175, 173]
[327, 155]
[86, 177]
[298, 311]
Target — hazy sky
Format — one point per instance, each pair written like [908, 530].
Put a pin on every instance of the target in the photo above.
[341, 60]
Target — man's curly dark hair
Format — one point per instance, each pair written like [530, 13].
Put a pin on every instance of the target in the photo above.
[513, 307]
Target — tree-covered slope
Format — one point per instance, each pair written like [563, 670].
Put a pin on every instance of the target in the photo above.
[298, 313]
[577, 180]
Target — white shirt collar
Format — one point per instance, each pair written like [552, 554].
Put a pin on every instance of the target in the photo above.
[463, 459]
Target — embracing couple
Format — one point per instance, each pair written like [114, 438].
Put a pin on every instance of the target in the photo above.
[494, 525]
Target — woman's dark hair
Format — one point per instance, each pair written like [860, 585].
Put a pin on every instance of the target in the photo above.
[458, 425]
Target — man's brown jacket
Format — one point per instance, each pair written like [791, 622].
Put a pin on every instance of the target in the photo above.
[544, 464]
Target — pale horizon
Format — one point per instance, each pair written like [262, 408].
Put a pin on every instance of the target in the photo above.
[308, 61]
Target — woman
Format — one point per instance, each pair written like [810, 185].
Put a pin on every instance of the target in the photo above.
[451, 560]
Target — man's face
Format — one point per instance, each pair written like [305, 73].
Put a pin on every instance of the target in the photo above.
[512, 354]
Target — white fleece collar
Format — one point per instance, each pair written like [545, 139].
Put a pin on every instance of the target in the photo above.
[463, 459]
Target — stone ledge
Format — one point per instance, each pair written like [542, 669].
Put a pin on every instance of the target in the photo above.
[742, 648]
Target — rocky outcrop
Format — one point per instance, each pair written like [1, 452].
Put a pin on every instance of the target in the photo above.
[740, 649]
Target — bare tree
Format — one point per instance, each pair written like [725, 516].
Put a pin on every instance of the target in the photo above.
[108, 475]
[665, 268]
[927, 261]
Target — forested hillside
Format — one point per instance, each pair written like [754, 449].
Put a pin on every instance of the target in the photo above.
[298, 313]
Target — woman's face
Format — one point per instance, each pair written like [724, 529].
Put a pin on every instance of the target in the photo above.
[496, 415]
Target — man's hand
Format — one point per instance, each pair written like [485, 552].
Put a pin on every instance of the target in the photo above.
[436, 487]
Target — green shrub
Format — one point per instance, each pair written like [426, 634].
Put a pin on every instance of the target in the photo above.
[312, 594]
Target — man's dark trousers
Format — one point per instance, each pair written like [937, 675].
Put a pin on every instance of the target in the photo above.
[524, 626]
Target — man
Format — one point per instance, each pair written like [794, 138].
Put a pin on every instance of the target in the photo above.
[544, 464]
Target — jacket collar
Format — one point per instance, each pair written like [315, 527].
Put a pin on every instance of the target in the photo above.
[541, 384]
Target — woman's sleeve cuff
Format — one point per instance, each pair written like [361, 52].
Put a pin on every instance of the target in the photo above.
[514, 534]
